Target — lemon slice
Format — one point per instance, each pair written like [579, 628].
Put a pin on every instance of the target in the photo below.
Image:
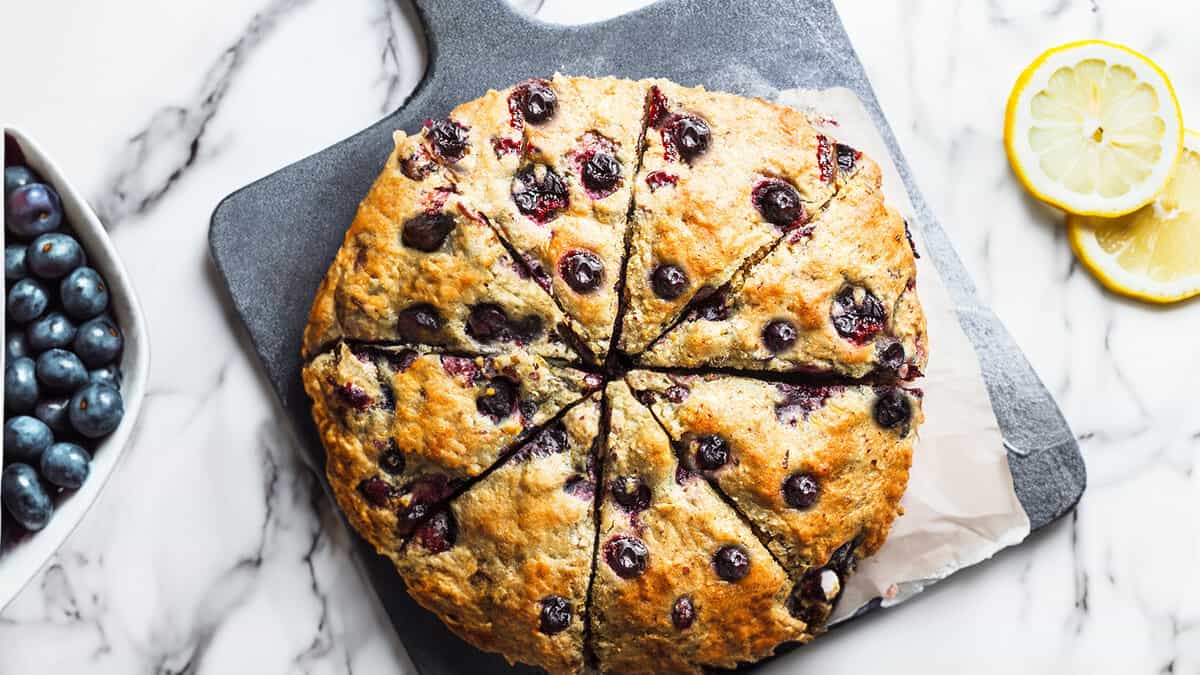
[1093, 128]
[1153, 253]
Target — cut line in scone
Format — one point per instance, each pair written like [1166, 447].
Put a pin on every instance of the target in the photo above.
[681, 583]
[506, 564]
[404, 428]
[819, 470]
[722, 178]
[419, 265]
[838, 297]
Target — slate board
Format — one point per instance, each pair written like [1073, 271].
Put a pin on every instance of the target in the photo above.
[273, 240]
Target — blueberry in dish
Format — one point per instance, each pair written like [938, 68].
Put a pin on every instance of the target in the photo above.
[62, 378]
[620, 375]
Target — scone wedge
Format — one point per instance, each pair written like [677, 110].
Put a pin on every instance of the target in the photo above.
[681, 582]
[506, 564]
[406, 428]
[819, 470]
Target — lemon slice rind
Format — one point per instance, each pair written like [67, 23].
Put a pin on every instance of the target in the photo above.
[1105, 265]
[1019, 119]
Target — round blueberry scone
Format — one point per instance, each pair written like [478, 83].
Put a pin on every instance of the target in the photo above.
[560, 367]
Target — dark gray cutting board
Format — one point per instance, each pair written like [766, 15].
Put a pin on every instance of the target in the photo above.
[273, 240]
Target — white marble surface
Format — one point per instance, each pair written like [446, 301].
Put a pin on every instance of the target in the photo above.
[213, 550]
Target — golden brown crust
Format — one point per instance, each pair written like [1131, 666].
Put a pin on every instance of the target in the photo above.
[425, 407]
[857, 241]
[682, 527]
[524, 539]
[705, 221]
[776, 431]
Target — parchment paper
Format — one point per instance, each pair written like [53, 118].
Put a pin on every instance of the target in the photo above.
[960, 507]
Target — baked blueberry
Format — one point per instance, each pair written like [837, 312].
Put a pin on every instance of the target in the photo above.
[536, 101]
[24, 496]
[582, 270]
[857, 314]
[27, 300]
[65, 465]
[427, 232]
[15, 346]
[800, 490]
[539, 192]
[391, 459]
[731, 562]
[556, 614]
[580, 487]
[779, 335]
[710, 305]
[355, 396]
[779, 203]
[376, 491]
[626, 555]
[891, 355]
[846, 157]
[26, 438]
[631, 494]
[20, 385]
[53, 254]
[53, 412]
[683, 613]
[552, 440]
[98, 342]
[17, 176]
[33, 210]
[96, 410]
[488, 323]
[83, 293]
[439, 533]
[712, 452]
[499, 400]
[892, 409]
[668, 281]
[449, 139]
[50, 331]
[601, 171]
[110, 375]
[419, 322]
[14, 262]
[60, 370]
[689, 135]
[424, 494]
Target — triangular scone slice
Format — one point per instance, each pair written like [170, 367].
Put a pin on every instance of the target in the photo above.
[419, 266]
[403, 429]
[818, 470]
[565, 211]
[722, 177]
[681, 581]
[839, 298]
[506, 564]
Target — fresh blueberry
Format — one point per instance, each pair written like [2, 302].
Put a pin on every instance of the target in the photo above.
[426, 232]
[731, 562]
[96, 410]
[65, 465]
[50, 331]
[52, 255]
[15, 346]
[84, 294]
[14, 262]
[33, 209]
[110, 375]
[20, 385]
[99, 342]
[15, 177]
[668, 281]
[25, 438]
[60, 370]
[27, 300]
[53, 411]
[556, 614]
[582, 270]
[24, 496]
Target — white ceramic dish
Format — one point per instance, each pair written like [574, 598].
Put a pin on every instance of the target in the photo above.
[22, 559]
